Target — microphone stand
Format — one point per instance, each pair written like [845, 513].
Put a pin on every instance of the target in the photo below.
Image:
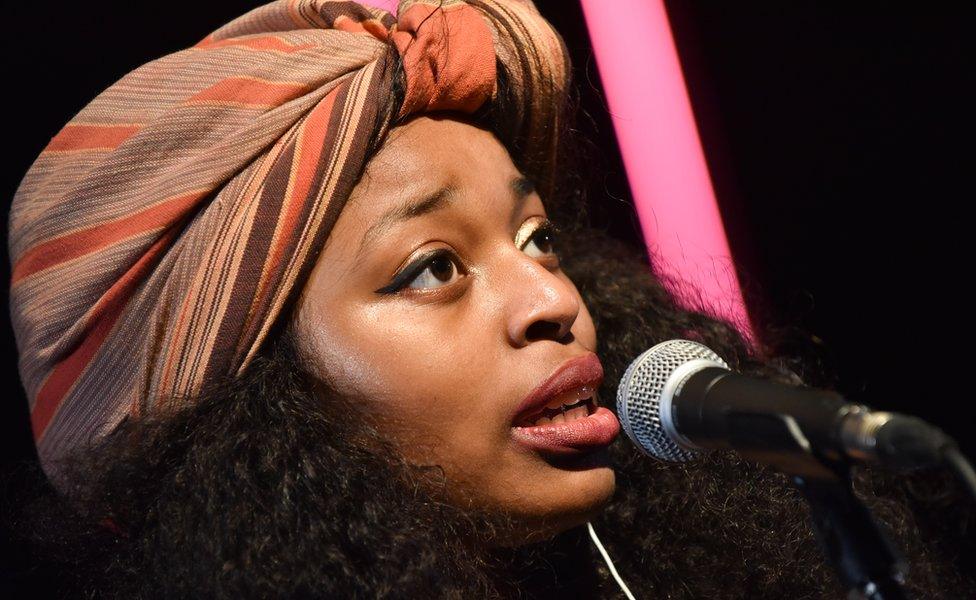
[861, 555]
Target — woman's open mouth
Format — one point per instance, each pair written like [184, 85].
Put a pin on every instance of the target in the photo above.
[560, 414]
[568, 429]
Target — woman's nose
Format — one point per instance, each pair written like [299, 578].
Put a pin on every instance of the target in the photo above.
[542, 305]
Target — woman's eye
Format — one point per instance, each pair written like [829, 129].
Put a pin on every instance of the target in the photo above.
[432, 270]
[542, 242]
[440, 270]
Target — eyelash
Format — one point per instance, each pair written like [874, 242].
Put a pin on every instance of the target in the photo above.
[416, 268]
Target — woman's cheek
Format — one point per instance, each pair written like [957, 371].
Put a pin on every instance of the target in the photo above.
[342, 354]
[583, 328]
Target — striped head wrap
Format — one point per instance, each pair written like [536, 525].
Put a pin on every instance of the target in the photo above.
[162, 232]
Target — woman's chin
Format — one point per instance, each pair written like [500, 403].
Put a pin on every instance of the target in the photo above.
[581, 497]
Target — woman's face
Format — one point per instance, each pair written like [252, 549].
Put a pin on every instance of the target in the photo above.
[444, 353]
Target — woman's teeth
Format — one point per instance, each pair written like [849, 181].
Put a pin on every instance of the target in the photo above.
[578, 411]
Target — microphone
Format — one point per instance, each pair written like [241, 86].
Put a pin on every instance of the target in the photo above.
[679, 399]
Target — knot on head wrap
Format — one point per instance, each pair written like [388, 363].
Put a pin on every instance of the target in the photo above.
[160, 234]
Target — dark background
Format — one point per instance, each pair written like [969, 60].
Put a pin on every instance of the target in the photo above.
[834, 134]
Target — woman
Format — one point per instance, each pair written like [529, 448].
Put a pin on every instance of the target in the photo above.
[280, 300]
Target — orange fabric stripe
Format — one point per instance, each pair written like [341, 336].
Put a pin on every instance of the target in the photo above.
[370, 26]
[310, 152]
[450, 62]
[79, 243]
[87, 136]
[206, 41]
[250, 90]
[104, 314]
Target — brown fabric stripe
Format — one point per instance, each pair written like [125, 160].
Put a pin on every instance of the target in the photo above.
[66, 372]
[317, 132]
[74, 245]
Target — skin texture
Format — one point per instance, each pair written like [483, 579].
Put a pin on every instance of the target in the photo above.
[444, 363]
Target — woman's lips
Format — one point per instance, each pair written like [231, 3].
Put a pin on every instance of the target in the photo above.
[573, 380]
[566, 384]
[596, 430]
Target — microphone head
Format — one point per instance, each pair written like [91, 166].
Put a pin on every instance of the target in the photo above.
[645, 393]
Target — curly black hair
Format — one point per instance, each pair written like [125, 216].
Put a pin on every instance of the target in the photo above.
[270, 484]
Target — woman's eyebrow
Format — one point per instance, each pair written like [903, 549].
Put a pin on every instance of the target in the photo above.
[521, 188]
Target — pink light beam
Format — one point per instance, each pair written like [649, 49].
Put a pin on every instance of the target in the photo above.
[662, 154]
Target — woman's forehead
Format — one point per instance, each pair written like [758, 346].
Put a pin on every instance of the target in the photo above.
[427, 147]
[426, 156]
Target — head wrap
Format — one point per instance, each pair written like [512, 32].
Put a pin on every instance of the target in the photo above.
[160, 234]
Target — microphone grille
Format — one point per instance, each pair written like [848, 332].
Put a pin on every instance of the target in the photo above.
[640, 392]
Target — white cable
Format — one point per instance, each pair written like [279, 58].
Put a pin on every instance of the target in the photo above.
[606, 558]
